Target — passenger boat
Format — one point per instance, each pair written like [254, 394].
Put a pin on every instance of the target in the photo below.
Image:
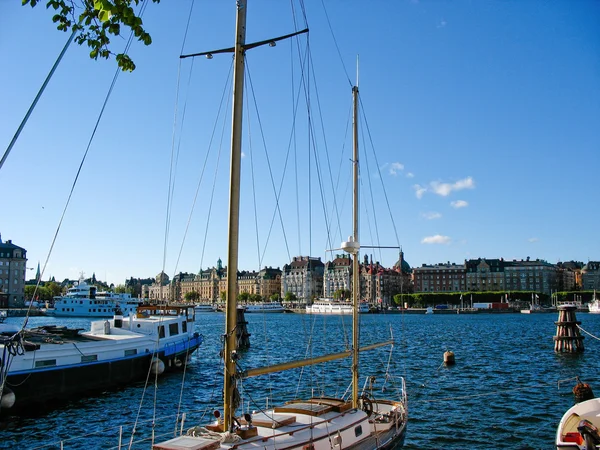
[373, 416]
[264, 307]
[205, 307]
[50, 363]
[578, 428]
[326, 306]
[84, 300]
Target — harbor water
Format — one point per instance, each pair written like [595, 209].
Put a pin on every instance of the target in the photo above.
[503, 391]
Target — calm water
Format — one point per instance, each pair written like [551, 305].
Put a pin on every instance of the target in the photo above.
[502, 392]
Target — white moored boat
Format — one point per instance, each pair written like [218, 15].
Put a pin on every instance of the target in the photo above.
[594, 305]
[205, 307]
[50, 363]
[578, 428]
[264, 307]
[84, 300]
[325, 306]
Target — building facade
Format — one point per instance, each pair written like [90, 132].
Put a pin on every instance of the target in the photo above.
[448, 277]
[531, 275]
[338, 275]
[303, 277]
[378, 284]
[13, 260]
[590, 276]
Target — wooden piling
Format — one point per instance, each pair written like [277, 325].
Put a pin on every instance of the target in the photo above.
[241, 331]
[568, 338]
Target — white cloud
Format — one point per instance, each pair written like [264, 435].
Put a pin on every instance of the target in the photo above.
[445, 189]
[442, 23]
[533, 239]
[431, 215]
[410, 175]
[243, 155]
[437, 239]
[459, 204]
[395, 167]
[419, 190]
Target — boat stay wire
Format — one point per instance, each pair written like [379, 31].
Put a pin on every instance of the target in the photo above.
[175, 155]
[37, 97]
[379, 170]
[83, 159]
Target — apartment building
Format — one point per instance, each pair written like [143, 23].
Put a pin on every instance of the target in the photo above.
[13, 260]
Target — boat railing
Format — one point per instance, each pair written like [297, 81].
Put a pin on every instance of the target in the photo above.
[175, 347]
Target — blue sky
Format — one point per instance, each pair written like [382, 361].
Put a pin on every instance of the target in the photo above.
[483, 115]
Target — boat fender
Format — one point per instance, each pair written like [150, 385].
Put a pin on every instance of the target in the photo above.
[8, 398]
[157, 366]
[589, 433]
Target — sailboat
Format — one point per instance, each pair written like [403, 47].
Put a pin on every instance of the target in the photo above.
[364, 421]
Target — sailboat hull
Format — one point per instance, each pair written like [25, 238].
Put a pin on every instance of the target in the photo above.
[316, 424]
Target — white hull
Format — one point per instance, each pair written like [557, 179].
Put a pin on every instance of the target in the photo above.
[568, 436]
[594, 307]
[264, 308]
[317, 423]
[205, 308]
[335, 308]
[114, 352]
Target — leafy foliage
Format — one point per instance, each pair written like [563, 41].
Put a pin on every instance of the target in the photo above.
[192, 296]
[95, 21]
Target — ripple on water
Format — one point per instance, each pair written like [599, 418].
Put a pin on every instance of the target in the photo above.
[502, 392]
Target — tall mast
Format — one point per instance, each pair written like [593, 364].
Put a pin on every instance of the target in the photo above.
[355, 263]
[234, 213]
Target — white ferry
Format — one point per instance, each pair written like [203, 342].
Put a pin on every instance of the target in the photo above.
[83, 300]
[205, 307]
[264, 307]
[328, 306]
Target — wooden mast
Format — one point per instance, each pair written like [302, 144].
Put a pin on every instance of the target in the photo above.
[355, 262]
[234, 213]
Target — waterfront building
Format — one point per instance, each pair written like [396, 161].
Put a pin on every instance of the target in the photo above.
[590, 276]
[338, 275]
[248, 282]
[531, 275]
[442, 277]
[569, 275]
[485, 274]
[303, 277]
[378, 284]
[209, 283]
[159, 290]
[269, 282]
[13, 260]
[403, 267]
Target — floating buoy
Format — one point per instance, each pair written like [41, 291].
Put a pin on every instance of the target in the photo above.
[449, 358]
[582, 392]
[8, 398]
[157, 366]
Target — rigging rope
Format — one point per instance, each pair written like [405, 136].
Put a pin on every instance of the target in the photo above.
[107, 97]
[588, 333]
[37, 97]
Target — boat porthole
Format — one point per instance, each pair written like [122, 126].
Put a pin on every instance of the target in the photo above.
[138, 325]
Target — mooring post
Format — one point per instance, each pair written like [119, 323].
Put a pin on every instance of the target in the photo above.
[241, 331]
[568, 338]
